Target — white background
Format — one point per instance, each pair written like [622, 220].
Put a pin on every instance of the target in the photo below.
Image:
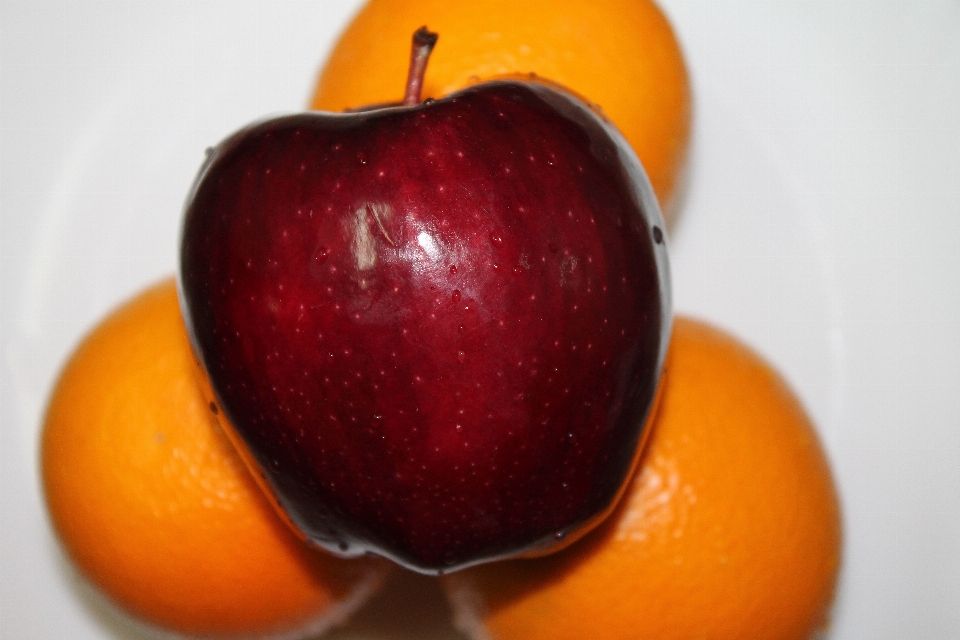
[821, 224]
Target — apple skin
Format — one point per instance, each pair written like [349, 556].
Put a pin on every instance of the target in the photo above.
[437, 331]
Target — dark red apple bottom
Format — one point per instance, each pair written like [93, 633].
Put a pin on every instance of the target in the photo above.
[438, 329]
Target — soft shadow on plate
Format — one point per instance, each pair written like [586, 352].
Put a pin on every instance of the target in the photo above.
[411, 606]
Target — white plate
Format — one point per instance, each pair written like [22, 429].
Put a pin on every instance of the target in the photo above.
[822, 225]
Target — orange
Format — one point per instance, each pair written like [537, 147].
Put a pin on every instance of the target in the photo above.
[731, 528]
[622, 55]
[156, 508]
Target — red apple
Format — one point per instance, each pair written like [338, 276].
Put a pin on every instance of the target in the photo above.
[437, 329]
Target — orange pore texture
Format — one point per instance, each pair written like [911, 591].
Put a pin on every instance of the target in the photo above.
[154, 505]
[622, 55]
[731, 528]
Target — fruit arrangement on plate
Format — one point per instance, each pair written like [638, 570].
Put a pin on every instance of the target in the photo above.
[428, 327]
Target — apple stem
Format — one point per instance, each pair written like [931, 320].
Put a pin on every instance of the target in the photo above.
[423, 42]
